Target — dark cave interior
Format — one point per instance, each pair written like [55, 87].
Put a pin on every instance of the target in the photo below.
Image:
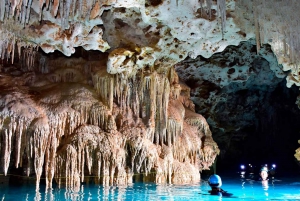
[254, 120]
[272, 140]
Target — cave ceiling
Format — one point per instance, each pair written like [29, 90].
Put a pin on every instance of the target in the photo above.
[168, 30]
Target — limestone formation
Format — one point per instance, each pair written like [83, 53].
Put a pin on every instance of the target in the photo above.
[71, 121]
[122, 111]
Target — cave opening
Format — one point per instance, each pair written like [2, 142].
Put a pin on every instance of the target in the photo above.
[271, 138]
[252, 113]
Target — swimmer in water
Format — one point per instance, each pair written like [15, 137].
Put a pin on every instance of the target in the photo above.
[264, 173]
[215, 183]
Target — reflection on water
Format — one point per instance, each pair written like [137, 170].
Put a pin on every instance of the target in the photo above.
[286, 189]
[265, 185]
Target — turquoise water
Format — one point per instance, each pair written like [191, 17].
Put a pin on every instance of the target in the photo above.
[283, 189]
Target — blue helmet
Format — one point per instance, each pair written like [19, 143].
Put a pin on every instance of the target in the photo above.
[215, 180]
[264, 168]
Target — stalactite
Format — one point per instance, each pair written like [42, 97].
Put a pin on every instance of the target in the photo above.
[50, 158]
[198, 121]
[208, 152]
[162, 100]
[3, 47]
[256, 24]
[117, 88]
[201, 6]
[207, 8]
[62, 13]
[79, 10]
[19, 44]
[14, 128]
[43, 68]
[2, 10]
[73, 8]
[28, 11]
[128, 94]
[221, 4]
[153, 97]
[41, 4]
[98, 115]
[40, 138]
[13, 7]
[124, 91]
[65, 14]
[7, 9]
[47, 2]
[8, 50]
[209, 4]
[28, 58]
[89, 6]
[55, 6]
[275, 22]
[23, 13]
[66, 168]
[13, 44]
[7, 135]
[21, 129]
[95, 10]
[104, 85]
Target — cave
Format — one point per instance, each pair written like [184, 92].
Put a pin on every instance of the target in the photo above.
[117, 92]
[250, 110]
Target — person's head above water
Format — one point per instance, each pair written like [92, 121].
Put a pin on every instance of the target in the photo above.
[264, 173]
[215, 181]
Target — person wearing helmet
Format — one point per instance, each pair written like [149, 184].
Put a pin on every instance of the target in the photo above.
[215, 183]
[264, 173]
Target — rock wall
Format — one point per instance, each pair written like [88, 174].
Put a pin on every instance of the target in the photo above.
[70, 121]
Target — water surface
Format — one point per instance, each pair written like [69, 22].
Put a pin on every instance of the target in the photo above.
[287, 188]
